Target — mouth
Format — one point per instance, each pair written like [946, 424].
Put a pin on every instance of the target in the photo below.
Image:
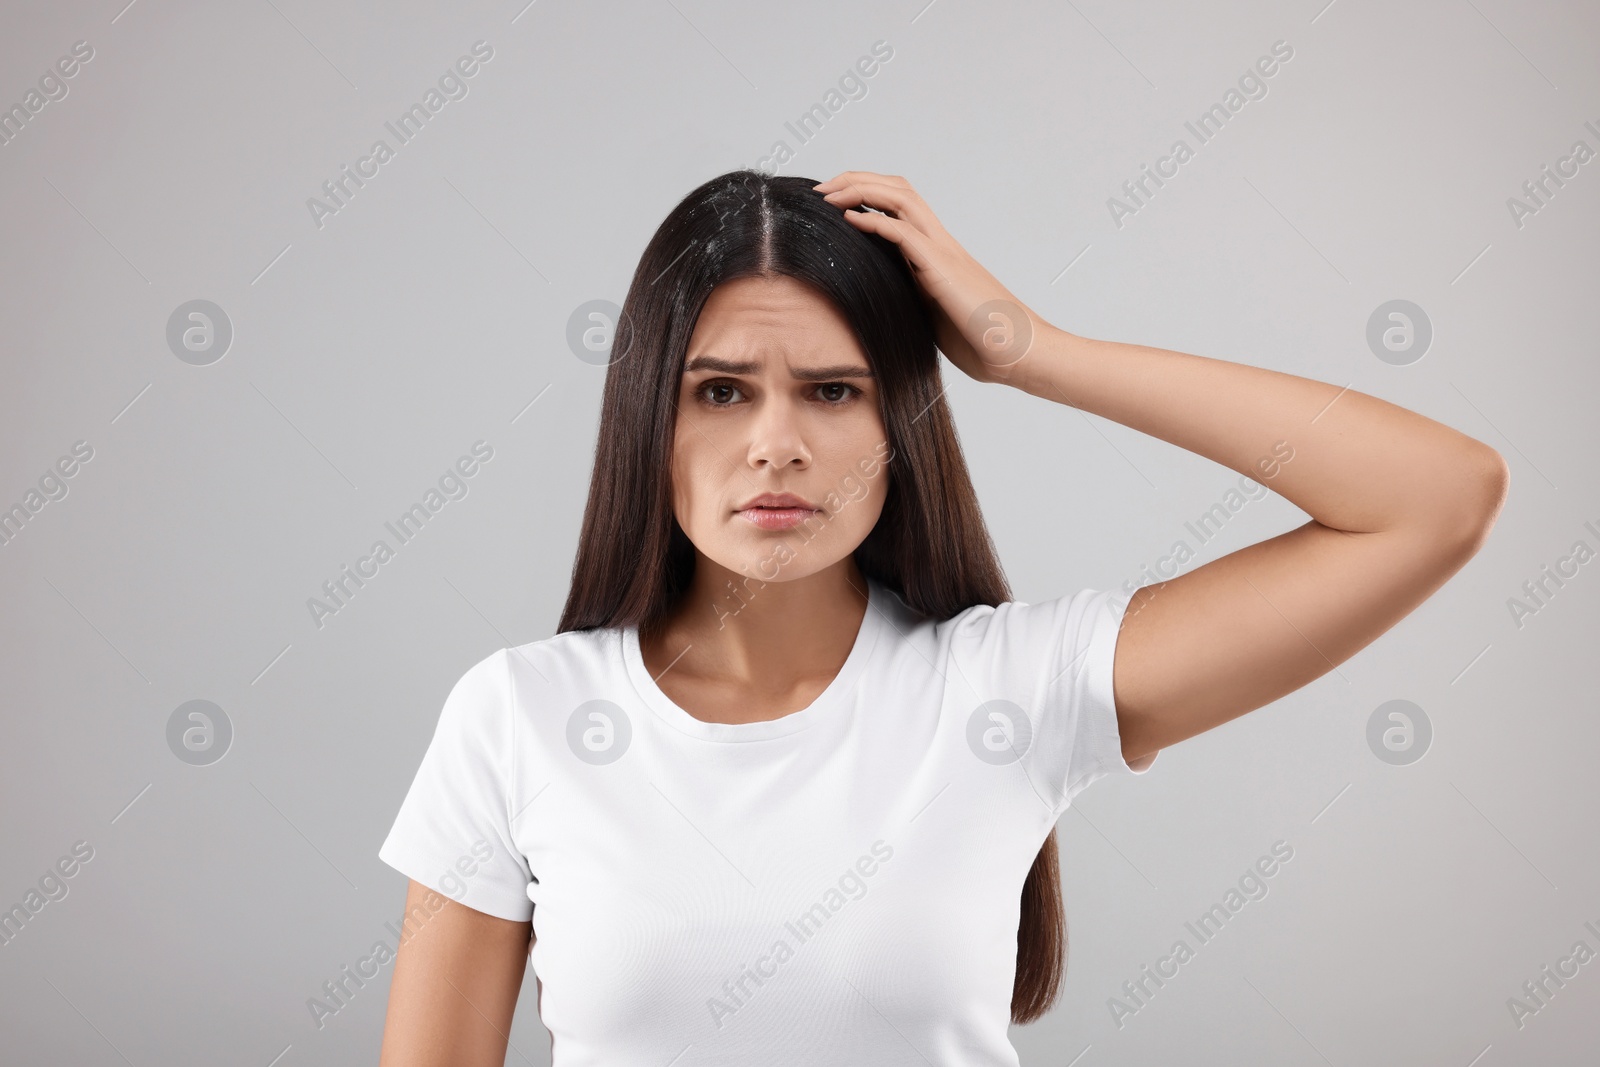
[777, 511]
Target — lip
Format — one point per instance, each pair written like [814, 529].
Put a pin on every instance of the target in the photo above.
[778, 500]
[777, 511]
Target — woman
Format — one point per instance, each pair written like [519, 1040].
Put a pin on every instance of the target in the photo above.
[783, 788]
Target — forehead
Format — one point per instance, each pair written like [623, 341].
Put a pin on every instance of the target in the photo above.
[752, 317]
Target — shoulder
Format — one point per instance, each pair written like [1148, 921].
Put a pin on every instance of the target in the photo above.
[1018, 618]
[1009, 620]
[519, 675]
[1044, 643]
[573, 653]
[562, 670]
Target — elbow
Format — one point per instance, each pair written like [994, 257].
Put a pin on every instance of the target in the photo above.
[1479, 501]
[1493, 479]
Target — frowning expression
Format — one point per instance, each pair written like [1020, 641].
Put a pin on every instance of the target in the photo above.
[780, 450]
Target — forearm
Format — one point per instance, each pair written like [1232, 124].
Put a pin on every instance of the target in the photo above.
[1360, 464]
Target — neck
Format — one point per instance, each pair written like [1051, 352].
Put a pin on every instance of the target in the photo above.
[768, 635]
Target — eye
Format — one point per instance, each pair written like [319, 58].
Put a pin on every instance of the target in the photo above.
[826, 391]
[719, 390]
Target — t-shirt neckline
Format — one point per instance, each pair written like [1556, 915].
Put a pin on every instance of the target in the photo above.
[834, 695]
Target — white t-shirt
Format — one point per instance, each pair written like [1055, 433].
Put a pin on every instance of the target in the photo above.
[840, 885]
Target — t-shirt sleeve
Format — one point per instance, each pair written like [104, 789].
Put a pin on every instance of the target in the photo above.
[1041, 676]
[453, 832]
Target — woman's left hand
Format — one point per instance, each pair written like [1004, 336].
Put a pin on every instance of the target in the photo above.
[981, 326]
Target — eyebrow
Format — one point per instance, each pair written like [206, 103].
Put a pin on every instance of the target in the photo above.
[812, 374]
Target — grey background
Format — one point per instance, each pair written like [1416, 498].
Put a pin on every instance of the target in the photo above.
[431, 312]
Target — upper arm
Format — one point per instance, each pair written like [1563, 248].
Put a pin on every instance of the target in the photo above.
[455, 987]
[1261, 622]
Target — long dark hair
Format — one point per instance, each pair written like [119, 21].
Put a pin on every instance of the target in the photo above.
[929, 545]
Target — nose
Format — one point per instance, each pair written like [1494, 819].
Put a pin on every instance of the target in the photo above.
[776, 435]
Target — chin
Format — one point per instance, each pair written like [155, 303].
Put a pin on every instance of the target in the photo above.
[771, 557]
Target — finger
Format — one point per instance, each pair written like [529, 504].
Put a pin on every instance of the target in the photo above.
[914, 245]
[901, 201]
[864, 175]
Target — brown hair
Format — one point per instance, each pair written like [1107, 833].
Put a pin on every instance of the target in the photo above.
[929, 545]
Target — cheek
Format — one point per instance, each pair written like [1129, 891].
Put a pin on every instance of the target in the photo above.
[860, 496]
[870, 507]
[698, 475]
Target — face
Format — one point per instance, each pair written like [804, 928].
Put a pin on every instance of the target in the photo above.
[777, 398]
